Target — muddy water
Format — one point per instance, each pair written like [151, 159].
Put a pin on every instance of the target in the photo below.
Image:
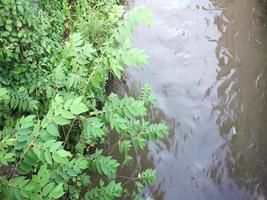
[207, 67]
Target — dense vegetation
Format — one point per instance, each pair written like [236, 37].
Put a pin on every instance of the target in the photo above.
[56, 58]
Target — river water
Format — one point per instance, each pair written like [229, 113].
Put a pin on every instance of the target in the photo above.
[207, 67]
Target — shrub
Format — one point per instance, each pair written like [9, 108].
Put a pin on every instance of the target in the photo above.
[55, 62]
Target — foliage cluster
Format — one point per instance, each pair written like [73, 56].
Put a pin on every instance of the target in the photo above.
[56, 58]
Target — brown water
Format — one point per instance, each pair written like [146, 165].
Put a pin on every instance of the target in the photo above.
[207, 67]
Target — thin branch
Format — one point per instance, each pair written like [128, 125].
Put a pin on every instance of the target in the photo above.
[68, 134]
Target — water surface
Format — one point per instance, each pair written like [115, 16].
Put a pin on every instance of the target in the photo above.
[207, 67]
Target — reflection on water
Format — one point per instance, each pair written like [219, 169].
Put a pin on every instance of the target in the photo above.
[208, 61]
[241, 89]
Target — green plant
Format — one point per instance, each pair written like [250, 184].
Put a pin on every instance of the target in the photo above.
[55, 116]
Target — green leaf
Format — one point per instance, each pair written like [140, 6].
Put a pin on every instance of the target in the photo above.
[19, 24]
[48, 157]
[24, 193]
[8, 21]
[44, 177]
[8, 27]
[78, 109]
[47, 189]
[9, 156]
[76, 39]
[52, 129]
[35, 196]
[11, 141]
[55, 146]
[93, 129]
[85, 180]
[88, 50]
[29, 187]
[148, 176]
[19, 181]
[59, 120]
[3, 92]
[71, 172]
[104, 165]
[67, 114]
[117, 69]
[77, 101]
[17, 194]
[59, 159]
[124, 146]
[24, 168]
[111, 191]
[36, 151]
[57, 192]
[68, 104]
[83, 164]
[63, 153]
